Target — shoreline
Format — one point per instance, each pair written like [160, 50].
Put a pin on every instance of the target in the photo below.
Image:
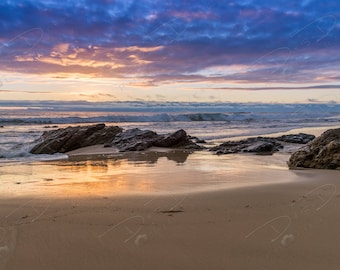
[316, 131]
[96, 169]
[99, 149]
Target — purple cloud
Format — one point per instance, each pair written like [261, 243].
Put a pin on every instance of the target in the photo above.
[161, 41]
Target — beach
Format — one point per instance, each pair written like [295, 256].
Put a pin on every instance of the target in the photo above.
[274, 226]
[168, 209]
[169, 135]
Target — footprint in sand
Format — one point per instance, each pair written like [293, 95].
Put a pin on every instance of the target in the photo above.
[140, 239]
[287, 239]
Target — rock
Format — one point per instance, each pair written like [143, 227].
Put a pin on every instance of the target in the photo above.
[196, 140]
[50, 126]
[252, 145]
[172, 140]
[138, 140]
[321, 153]
[262, 146]
[301, 138]
[71, 138]
[134, 139]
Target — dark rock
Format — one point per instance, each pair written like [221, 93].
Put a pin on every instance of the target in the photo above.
[50, 126]
[71, 138]
[301, 138]
[138, 140]
[196, 140]
[107, 145]
[178, 139]
[172, 140]
[134, 139]
[262, 146]
[251, 145]
[321, 153]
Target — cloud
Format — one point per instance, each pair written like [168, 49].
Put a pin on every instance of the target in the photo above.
[157, 42]
[99, 96]
[60, 49]
[21, 92]
[295, 87]
[314, 100]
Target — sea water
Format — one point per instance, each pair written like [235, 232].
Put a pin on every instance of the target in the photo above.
[22, 125]
[22, 173]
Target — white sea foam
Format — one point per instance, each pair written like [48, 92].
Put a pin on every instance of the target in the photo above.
[90, 117]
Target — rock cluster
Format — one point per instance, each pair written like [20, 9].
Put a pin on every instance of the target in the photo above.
[301, 138]
[138, 140]
[250, 145]
[261, 144]
[321, 153]
[67, 139]
[133, 140]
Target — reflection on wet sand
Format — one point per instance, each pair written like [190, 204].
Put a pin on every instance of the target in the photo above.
[145, 157]
[111, 174]
[149, 172]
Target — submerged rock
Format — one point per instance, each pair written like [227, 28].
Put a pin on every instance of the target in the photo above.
[67, 139]
[321, 153]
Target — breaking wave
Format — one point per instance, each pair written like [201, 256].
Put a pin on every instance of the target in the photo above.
[168, 117]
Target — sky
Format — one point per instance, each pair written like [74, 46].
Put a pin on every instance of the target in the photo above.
[198, 51]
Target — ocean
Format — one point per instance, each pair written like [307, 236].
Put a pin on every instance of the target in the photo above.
[23, 123]
[22, 173]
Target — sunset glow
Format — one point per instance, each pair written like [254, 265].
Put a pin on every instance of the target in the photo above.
[241, 51]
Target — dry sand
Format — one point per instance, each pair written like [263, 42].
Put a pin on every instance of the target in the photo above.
[283, 226]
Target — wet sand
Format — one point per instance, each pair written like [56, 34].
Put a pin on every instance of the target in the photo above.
[154, 172]
[292, 225]
[168, 210]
